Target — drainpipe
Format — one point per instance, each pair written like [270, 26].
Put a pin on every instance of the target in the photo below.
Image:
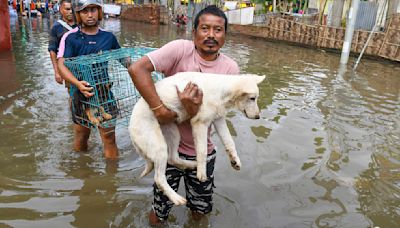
[5, 35]
[348, 36]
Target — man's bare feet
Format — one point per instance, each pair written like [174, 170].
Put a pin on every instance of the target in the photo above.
[153, 219]
[197, 216]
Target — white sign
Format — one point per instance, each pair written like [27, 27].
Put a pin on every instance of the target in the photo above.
[230, 5]
[242, 16]
[112, 9]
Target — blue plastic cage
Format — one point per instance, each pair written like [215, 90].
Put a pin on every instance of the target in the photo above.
[114, 93]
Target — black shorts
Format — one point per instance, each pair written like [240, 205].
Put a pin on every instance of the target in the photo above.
[198, 194]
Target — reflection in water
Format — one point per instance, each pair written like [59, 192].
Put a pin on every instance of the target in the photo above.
[378, 188]
[324, 154]
[329, 219]
[8, 80]
[261, 132]
[97, 194]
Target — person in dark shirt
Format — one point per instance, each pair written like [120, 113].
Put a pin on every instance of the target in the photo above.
[86, 39]
[59, 28]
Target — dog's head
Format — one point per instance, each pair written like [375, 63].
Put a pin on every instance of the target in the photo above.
[247, 94]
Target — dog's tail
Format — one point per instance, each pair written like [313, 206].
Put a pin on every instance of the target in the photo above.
[148, 168]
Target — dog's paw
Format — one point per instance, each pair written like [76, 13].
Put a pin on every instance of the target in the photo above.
[201, 175]
[107, 116]
[178, 200]
[95, 121]
[236, 164]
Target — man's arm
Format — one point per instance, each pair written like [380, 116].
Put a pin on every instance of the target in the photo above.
[140, 73]
[66, 74]
[53, 57]
[53, 45]
[191, 97]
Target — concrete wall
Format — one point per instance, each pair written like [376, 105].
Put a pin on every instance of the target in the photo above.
[144, 13]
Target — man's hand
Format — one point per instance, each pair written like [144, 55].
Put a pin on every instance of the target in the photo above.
[58, 78]
[164, 115]
[191, 98]
[85, 88]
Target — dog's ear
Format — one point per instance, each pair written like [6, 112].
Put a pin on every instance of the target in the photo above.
[259, 79]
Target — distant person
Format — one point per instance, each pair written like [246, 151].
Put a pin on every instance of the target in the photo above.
[178, 20]
[32, 5]
[185, 20]
[60, 27]
[50, 6]
[38, 6]
[56, 7]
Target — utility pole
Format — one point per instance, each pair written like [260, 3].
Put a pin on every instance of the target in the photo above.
[348, 36]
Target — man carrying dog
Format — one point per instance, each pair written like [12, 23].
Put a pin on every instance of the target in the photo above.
[86, 39]
[200, 55]
[60, 27]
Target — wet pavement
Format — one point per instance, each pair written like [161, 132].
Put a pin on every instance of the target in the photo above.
[324, 154]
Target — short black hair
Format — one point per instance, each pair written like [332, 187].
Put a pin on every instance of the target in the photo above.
[214, 10]
[62, 2]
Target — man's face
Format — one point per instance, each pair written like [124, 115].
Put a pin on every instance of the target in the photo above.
[66, 11]
[89, 15]
[209, 36]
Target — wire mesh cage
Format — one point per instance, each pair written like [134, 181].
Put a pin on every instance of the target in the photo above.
[114, 93]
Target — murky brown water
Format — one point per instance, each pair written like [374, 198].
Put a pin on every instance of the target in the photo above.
[326, 152]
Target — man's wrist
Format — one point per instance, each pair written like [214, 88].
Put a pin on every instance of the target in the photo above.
[157, 107]
[160, 111]
[164, 111]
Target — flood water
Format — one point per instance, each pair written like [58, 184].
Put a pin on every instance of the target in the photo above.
[325, 153]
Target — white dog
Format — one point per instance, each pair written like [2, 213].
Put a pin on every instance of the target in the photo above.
[159, 144]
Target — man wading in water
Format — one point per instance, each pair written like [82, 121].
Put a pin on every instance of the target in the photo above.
[86, 39]
[60, 27]
[200, 55]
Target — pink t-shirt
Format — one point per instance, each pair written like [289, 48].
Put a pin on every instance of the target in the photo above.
[181, 56]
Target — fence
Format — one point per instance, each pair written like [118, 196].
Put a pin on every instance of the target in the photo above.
[384, 44]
